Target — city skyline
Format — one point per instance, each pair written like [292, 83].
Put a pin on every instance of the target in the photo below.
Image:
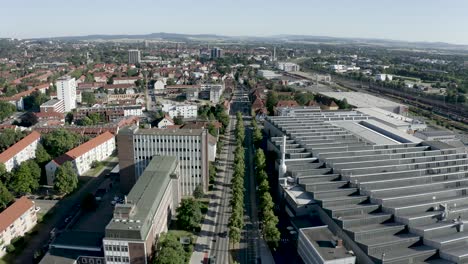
[391, 20]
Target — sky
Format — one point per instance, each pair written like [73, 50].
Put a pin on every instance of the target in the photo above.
[409, 20]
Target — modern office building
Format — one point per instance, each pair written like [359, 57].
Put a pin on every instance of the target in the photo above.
[216, 53]
[66, 91]
[134, 56]
[138, 146]
[53, 105]
[21, 151]
[389, 196]
[131, 235]
[16, 220]
[83, 156]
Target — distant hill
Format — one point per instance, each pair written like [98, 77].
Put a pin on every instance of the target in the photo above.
[276, 38]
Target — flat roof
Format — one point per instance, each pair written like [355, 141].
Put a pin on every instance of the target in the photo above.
[388, 117]
[175, 132]
[82, 239]
[51, 102]
[359, 99]
[365, 133]
[143, 200]
[323, 241]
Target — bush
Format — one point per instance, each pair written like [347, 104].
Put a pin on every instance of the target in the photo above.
[10, 248]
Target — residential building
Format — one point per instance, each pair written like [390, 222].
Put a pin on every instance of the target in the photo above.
[16, 220]
[110, 113]
[66, 91]
[96, 149]
[180, 110]
[216, 53]
[131, 235]
[190, 146]
[288, 66]
[21, 151]
[165, 122]
[53, 105]
[134, 56]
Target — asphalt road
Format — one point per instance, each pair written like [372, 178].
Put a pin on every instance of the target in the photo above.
[220, 247]
[249, 246]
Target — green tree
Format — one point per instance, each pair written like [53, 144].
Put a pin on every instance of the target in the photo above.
[26, 177]
[178, 120]
[266, 202]
[170, 81]
[89, 77]
[257, 136]
[34, 101]
[42, 157]
[212, 172]
[170, 250]
[66, 179]
[5, 196]
[59, 141]
[212, 130]
[189, 214]
[271, 101]
[198, 192]
[260, 160]
[88, 98]
[6, 110]
[270, 229]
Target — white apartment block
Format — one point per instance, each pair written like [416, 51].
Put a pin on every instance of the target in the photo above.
[185, 111]
[15, 221]
[287, 66]
[134, 56]
[21, 151]
[134, 110]
[125, 80]
[82, 157]
[267, 74]
[190, 146]
[66, 91]
[53, 105]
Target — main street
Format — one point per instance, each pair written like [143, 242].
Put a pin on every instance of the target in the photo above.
[213, 241]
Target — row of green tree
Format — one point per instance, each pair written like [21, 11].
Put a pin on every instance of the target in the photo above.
[269, 219]
[236, 221]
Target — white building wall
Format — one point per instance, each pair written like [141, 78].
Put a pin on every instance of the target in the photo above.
[66, 91]
[21, 225]
[27, 153]
[188, 150]
[83, 163]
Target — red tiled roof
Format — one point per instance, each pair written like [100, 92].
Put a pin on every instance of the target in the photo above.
[84, 148]
[18, 146]
[287, 103]
[166, 116]
[14, 211]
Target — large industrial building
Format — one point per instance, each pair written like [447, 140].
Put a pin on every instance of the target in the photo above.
[385, 195]
[191, 146]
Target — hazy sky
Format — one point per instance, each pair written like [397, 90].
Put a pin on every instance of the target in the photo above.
[413, 20]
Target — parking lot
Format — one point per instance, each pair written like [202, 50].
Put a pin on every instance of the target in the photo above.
[96, 221]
